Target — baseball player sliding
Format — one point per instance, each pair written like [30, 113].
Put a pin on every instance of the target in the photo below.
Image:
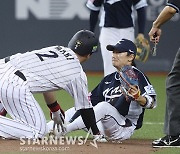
[44, 71]
[120, 99]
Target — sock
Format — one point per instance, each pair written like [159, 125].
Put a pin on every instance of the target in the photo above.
[89, 120]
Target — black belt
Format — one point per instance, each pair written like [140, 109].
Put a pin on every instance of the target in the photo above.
[7, 59]
[18, 73]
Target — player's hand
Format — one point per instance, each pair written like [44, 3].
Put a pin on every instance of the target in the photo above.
[58, 119]
[58, 116]
[134, 92]
[155, 34]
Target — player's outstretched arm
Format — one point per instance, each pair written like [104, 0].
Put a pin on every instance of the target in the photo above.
[166, 14]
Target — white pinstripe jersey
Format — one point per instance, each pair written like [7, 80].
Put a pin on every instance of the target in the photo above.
[53, 68]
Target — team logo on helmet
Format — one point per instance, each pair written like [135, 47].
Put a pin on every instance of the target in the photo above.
[94, 49]
[77, 44]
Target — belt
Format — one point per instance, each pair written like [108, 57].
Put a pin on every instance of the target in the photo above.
[7, 59]
[18, 73]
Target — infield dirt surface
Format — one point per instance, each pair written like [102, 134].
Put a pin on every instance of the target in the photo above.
[131, 146]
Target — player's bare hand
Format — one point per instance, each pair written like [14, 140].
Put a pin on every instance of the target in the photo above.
[134, 91]
[155, 34]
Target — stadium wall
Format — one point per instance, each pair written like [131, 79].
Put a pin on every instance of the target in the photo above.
[26, 25]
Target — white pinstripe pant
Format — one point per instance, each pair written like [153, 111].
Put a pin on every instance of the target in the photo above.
[28, 120]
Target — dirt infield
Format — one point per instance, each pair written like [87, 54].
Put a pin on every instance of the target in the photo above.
[131, 146]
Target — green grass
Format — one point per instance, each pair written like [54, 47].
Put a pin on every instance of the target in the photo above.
[153, 119]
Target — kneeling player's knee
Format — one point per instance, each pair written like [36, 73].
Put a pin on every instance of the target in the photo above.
[41, 131]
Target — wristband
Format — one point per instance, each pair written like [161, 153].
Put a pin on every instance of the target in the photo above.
[54, 106]
[150, 101]
[136, 96]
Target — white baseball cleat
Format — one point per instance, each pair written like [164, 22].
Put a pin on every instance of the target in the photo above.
[100, 138]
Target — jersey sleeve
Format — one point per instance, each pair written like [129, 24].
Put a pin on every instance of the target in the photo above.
[146, 88]
[175, 4]
[139, 4]
[94, 5]
[144, 84]
[78, 88]
[97, 94]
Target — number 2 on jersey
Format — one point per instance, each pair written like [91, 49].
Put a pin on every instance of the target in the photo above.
[52, 55]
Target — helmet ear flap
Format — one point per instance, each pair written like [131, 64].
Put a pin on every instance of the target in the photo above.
[83, 42]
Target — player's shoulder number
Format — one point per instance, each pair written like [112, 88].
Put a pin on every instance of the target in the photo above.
[53, 54]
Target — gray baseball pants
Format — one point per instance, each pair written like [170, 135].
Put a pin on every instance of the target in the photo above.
[172, 115]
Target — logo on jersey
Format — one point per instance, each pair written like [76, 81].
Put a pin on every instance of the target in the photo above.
[112, 92]
[107, 82]
[150, 90]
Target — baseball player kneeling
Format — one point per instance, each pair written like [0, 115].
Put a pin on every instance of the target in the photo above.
[120, 99]
[45, 71]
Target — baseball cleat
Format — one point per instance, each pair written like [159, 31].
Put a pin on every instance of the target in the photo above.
[166, 142]
[100, 138]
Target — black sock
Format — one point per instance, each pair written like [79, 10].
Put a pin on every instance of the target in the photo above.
[89, 120]
[76, 115]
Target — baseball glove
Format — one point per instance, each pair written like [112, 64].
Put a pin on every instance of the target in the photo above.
[143, 48]
[129, 83]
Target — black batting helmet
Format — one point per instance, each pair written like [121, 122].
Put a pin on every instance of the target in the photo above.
[83, 43]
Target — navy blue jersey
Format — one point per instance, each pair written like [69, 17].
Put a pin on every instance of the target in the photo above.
[109, 90]
[116, 13]
[175, 4]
